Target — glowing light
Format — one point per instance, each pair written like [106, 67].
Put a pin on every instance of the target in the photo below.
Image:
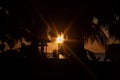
[61, 56]
[60, 39]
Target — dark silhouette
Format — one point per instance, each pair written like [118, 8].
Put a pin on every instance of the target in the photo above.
[82, 30]
[2, 47]
[55, 54]
[92, 56]
[109, 19]
[113, 52]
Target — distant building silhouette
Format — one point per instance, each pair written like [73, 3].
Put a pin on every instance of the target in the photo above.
[112, 52]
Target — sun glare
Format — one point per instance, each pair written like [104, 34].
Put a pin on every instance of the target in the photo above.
[60, 39]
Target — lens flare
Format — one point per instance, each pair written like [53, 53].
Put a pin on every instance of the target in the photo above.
[60, 39]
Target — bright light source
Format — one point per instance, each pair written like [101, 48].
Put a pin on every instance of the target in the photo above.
[60, 39]
[61, 56]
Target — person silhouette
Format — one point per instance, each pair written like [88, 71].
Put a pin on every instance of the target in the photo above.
[55, 53]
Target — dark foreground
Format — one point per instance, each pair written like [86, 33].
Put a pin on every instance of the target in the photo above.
[59, 69]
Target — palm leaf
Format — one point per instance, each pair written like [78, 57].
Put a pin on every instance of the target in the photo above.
[93, 33]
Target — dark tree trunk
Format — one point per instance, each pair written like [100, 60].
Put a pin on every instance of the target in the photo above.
[76, 44]
[2, 46]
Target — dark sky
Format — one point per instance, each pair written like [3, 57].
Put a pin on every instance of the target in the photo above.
[59, 12]
[63, 13]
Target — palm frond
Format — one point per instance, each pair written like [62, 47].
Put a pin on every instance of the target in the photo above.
[93, 33]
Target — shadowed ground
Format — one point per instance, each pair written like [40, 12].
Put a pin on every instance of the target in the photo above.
[59, 69]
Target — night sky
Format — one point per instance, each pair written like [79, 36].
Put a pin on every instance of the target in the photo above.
[62, 13]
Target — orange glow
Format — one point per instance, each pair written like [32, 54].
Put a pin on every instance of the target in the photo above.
[61, 56]
[94, 47]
